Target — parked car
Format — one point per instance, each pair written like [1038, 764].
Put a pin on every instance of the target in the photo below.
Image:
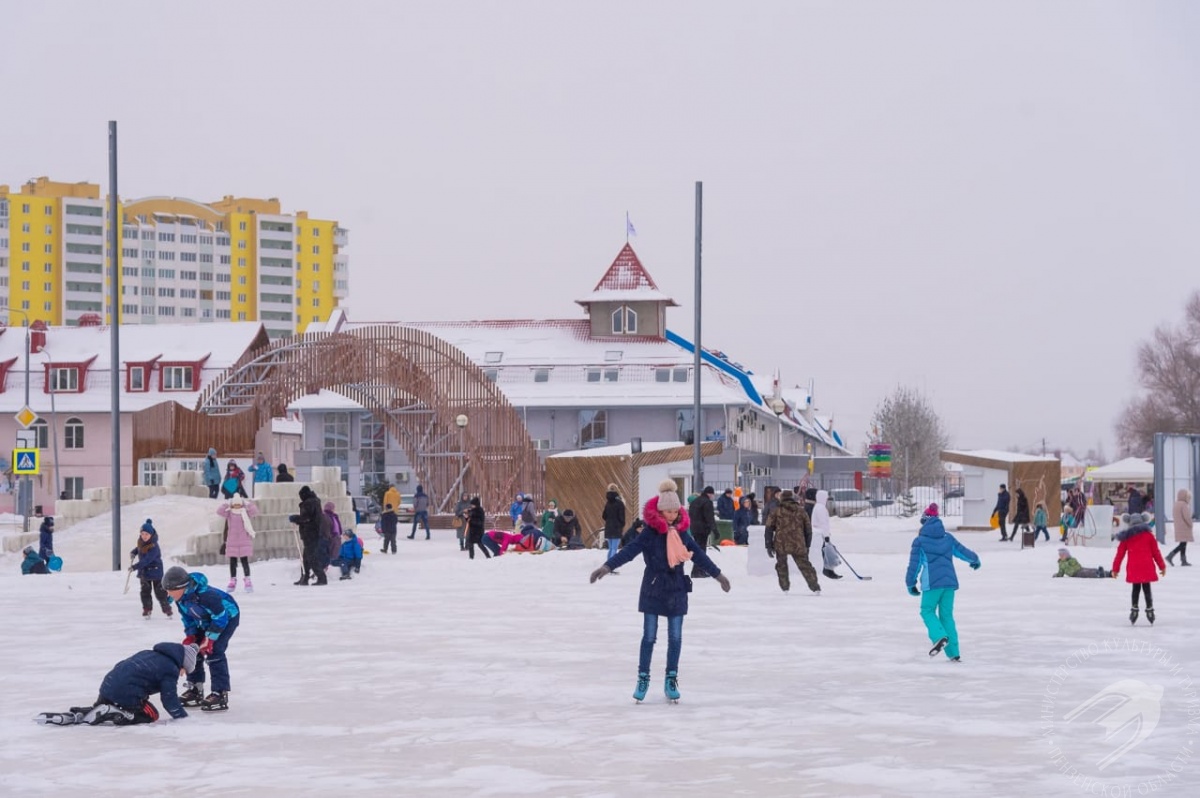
[846, 502]
[366, 509]
[404, 513]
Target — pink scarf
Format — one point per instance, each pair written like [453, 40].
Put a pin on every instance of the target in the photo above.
[676, 551]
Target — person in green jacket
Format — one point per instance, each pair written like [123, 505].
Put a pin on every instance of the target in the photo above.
[548, 517]
[1069, 566]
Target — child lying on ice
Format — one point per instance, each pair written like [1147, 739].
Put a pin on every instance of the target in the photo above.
[125, 692]
[1069, 566]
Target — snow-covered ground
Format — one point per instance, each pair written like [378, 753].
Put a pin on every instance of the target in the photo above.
[433, 675]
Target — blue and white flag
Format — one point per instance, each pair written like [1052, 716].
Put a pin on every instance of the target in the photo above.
[630, 230]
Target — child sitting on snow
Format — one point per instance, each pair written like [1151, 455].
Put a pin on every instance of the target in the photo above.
[349, 555]
[1069, 566]
[33, 564]
[125, 692]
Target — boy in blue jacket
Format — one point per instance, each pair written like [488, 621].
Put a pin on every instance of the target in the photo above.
[210, 617]
[932, 559]
[350, 555]
[124, 698]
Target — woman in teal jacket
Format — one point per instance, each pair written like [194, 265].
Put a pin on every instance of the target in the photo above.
[932, 560]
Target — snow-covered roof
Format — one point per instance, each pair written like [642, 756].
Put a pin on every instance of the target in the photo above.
[217, 344]
[1003, 457]
[626, 281]
[287, 426]
[1131, 469]
[324, 400]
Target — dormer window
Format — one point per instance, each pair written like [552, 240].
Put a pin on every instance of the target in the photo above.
[624, 321]
[64, 380]
[177, 378]
[493, 357]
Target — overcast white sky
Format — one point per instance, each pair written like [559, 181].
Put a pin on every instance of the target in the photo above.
[991, 202]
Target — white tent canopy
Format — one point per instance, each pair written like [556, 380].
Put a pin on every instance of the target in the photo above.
[1131, 469]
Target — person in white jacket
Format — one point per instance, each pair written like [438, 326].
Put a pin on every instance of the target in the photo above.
[821, 531]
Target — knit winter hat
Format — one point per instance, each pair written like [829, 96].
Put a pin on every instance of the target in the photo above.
[612, 487]
[236, 500]
[190, 652]
[329, 507]
[931, 511]
[786, 495]
[1065, 551]
[668, 499]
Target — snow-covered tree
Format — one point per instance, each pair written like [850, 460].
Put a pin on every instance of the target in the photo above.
[1168, 368]
[906, 421]
[908, 504]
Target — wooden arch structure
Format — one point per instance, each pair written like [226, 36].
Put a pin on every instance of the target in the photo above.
[459, 431]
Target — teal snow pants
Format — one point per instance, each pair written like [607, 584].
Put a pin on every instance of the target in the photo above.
[937, 611]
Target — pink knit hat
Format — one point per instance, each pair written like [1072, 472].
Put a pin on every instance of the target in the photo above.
[931, 511]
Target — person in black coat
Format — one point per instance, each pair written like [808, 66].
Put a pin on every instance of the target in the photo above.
[665, 588]
[124, 698]
[46, 539]
[725, 506]
[1021, 516]
[389, 527]
[149, 567]
[282, 474]
[309, 520]
[567, 533]
[1001, 511]
[634, 530]
[614, 519]
[476, 519]
[703, 522]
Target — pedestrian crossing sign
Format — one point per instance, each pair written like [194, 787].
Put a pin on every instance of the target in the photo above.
[25, 461]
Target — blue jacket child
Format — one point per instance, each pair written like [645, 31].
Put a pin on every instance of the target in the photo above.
[46, 539]
[932, 560]
[210, 617]
[124, 698]
[149, 567]
[350, 555]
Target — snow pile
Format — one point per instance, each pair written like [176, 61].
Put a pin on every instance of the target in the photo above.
[87, 545]
[434, 675]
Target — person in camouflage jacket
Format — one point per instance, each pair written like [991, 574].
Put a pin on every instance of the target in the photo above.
[792, 528]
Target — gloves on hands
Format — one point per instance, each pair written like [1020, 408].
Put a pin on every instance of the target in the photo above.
[723, 581]
[975, 565]
[913, 591]
[206, 646]
[600, 573]
[189, 640]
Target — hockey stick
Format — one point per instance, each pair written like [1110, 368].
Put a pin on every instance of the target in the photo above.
[128, 576]
[848, 565]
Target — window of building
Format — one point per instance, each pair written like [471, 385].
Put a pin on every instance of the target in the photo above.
[47, 287]
[242, 262]
[49, 210]
[74, 436]
[316, 267]
[613, 355]
[685, 425]
[64, 380]
[152, 472]
[24, 246]
[42, 430]
[137, 378]
[541, 375]
[24, 265]
[73, 487]
[242, 226]
[166, 236]
[662, 375]
[372, 446]
[241, 245]
[177, 378]
[336, 449]
[593, 428]
[593, 375]
[316, 249]
[50, 230]
[679, 375]
[168, 310]
[491, 374]
[493, 357]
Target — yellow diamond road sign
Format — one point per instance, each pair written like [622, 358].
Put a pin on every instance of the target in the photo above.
[25, 461]
[25, 417]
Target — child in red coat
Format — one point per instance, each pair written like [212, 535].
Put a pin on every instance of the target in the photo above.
[1138, 541]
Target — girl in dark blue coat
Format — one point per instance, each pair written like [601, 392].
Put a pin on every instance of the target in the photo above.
[149, 567]
[665, 588]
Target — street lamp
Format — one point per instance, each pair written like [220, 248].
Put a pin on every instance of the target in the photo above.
[26, 485]
[54, 432]
[461, 421]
